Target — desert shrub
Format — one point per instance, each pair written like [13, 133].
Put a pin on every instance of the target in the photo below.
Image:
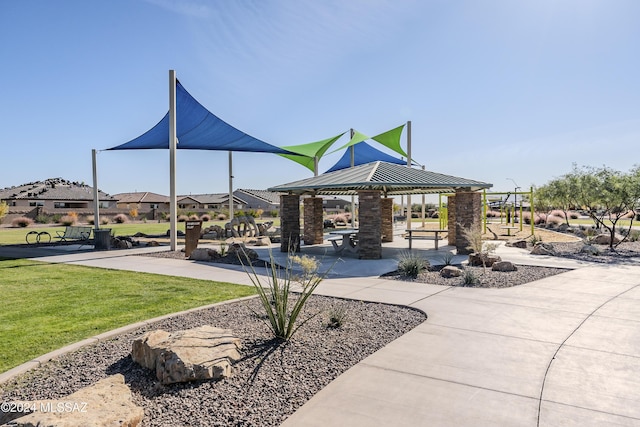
[104, 220]
[557, 213]
[274, 213]
[205, 218]
[469, 278]
[410, 265]
[552, 219]
[4, 210]
[193, 217]
[91, 219]
[73, 215]
[447, 258]
[120, 219]
[340, 218]
[540, 218]
[629, 215]
[44, 219]
[240, 213]
[183, 218]
[68, 220]
[634, 235]
[133, 212]
[337, 316]
[277, 295]
[55, 218]
[535, 239]
[221, 217]
[21, 221]
[574, 215]
[493, 214]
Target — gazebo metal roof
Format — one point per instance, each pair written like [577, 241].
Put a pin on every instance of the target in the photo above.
[389, 178]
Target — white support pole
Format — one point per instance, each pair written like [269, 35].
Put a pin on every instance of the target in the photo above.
[409, 165]
[423, 208]
[173, 199]
[96, 195]
[352, 151]
[230, 185]
[315, 165]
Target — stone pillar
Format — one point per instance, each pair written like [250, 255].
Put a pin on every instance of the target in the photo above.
[468, 215]
[451, 220]
[369, 237]
[386, 209]
[289, 223]
[313, 221]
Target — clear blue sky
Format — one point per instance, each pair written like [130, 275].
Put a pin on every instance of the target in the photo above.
[495, 89]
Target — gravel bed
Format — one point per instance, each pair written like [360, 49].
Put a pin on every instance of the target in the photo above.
[487, 278]
[271, 381]
[624, 253]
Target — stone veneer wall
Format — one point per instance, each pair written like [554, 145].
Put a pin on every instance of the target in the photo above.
[386, 208]
[451, 220]
[289, 223]
[369, 237]
[313, 221]
[468, 215]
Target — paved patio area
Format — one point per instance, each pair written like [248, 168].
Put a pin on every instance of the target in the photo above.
[561, 351]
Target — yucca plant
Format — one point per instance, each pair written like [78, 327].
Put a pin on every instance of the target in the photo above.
[282, 304]
[411, 265]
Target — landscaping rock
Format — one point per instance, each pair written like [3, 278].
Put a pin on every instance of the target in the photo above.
[106, 403]
[476, 259]
[450, 271]
[605, 239]
[542, 248]
[153, 243]
[240, 250]
[521, 243]
[201, 254]
[590, 249]
[504, 266]
[262, 241]
[201, 353]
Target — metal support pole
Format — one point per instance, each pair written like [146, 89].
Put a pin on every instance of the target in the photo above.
[173, 200]
[96, 195]
[230, 185]
[409, 165]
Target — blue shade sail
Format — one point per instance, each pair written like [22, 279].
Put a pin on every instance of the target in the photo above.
[198, 129]
[364, 153]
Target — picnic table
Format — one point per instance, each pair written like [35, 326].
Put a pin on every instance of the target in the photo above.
[345, 240]
[509, 228]
[416, 234]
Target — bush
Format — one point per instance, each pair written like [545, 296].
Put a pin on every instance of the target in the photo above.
[91, 219]
[469, 278]
[573, 215]
[120, 219]
[4, 210]
[194, 217]
[222, 217]
[21, 221]
[552, 219]
[205, 218]
[411, 265]
[68, 220]
[557, 213]
[274, 213]
[493, 214]
[44, 219]
[337, 316]
[104, 220]
[447, 258]
[277, 294]
[183, 218]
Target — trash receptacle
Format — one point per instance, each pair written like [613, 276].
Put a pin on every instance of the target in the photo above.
[192, 229]
[102, 239]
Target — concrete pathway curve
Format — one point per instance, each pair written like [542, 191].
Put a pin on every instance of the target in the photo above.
[561, 351]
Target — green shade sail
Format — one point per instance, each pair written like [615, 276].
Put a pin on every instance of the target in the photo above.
[391, 140]
[306, 153]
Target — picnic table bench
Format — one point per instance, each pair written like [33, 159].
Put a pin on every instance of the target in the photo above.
[344, 240]
[74, 233]
[416, 234]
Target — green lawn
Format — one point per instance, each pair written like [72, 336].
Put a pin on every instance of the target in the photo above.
[47, 306]
[12, 236]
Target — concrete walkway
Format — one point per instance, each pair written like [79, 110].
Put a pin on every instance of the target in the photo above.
[561, 351]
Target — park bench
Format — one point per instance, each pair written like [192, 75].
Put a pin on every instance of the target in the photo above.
[74, 233]
[413, 234]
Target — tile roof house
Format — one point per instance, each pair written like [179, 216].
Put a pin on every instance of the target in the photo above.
[54, 195]
[144, 201]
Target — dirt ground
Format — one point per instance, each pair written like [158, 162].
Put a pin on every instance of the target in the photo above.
[495, 232]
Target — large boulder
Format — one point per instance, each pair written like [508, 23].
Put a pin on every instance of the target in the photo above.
[203, 254]
[450, 271]
[542, 248]
[201, 353]
[504, 266]
[590, 249]
[483, 259]
[106, 403]
[519, 243]
[605, 239]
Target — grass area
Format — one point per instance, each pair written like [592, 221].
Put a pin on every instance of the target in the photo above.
[48, 306]
[13, 236]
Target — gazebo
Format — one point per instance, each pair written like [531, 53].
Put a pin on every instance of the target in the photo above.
[373, 183]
